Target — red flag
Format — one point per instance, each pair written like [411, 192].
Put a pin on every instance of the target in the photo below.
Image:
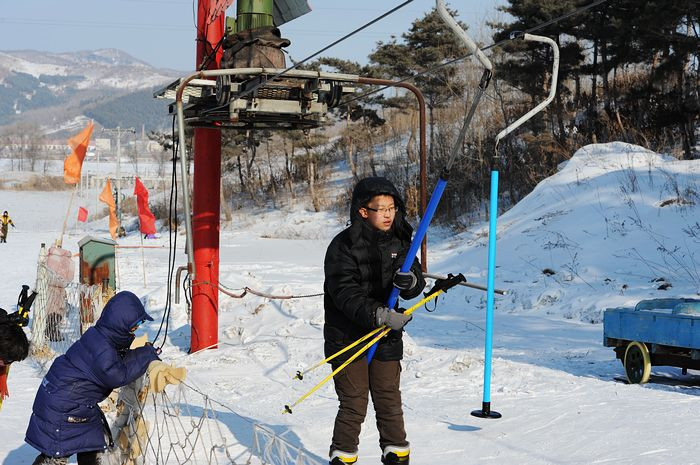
[74, 162]
[82, 214]
[146, 218]
[106, 197]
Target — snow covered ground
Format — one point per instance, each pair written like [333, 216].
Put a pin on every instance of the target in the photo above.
[613, 225]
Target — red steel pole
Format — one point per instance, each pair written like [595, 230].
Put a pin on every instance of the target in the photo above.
[205, 199]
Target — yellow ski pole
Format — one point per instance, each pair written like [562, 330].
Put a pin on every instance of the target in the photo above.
[441, 286]
[288, 408]
[300, 374]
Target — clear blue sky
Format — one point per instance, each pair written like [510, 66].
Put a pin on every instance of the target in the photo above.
[161, 32]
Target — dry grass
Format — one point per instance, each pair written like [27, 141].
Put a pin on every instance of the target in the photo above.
[37, 183]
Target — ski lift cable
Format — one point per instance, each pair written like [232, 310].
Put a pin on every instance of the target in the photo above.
[515, 36]
[171, 214]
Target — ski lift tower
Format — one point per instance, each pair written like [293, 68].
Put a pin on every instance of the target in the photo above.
[241, 83]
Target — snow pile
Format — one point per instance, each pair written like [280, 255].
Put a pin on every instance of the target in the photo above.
[616, 224]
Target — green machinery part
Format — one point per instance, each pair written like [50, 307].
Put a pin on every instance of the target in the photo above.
[254, 14]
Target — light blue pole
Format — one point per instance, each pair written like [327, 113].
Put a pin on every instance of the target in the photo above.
[486, 411]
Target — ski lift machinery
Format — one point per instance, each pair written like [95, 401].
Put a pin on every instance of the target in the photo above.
[249, 98]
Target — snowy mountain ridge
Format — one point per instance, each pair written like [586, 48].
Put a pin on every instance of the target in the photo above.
[52, 88]
[103, 68]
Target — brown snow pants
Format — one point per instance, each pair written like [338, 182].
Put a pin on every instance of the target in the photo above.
[353, 384]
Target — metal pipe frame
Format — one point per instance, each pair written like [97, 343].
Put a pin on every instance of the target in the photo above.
[423, 148]
[552, 89]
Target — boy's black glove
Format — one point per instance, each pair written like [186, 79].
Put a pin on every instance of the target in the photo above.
[391, 319]
[405, 280]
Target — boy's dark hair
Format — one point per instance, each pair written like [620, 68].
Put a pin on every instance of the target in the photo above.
[14, 346]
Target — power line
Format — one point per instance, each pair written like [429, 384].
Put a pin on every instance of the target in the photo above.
[91, 24]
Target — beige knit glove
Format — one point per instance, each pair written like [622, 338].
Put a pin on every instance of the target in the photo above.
[161, 374]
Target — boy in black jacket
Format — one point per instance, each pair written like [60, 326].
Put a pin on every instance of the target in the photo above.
[361, 267]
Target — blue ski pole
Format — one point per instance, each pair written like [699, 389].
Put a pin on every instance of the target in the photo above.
[442, 181]
[415, 244]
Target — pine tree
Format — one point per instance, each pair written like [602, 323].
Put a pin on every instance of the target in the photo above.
[526, 66]
[427, 43]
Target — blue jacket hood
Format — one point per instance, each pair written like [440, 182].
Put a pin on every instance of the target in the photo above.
[122, 312]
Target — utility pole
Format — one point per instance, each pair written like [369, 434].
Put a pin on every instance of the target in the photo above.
[118, 131]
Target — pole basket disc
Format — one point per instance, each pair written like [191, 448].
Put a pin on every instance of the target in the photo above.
[486, 411]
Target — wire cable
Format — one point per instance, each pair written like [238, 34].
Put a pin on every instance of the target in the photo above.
[172, 245]
[496, 44]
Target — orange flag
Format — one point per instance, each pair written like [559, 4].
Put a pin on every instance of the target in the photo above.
[74, 162]
[106, 197]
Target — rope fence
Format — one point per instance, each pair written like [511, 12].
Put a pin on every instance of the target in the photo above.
[183, 425]
[62, 312]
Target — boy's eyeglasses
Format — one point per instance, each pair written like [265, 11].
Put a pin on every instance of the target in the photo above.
[383, 210]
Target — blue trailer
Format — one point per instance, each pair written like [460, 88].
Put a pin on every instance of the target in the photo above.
[654, 332]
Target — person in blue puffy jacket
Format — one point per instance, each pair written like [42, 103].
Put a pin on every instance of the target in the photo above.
[66, 419]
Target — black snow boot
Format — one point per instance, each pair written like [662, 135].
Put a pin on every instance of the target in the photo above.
[395, 455]
[338, 457]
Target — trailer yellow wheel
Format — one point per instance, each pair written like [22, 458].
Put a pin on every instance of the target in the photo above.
[637, 363]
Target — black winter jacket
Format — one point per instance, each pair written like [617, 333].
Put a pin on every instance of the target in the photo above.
[359, 267]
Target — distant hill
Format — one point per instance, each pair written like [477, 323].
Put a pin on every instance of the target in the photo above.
[106, 85]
